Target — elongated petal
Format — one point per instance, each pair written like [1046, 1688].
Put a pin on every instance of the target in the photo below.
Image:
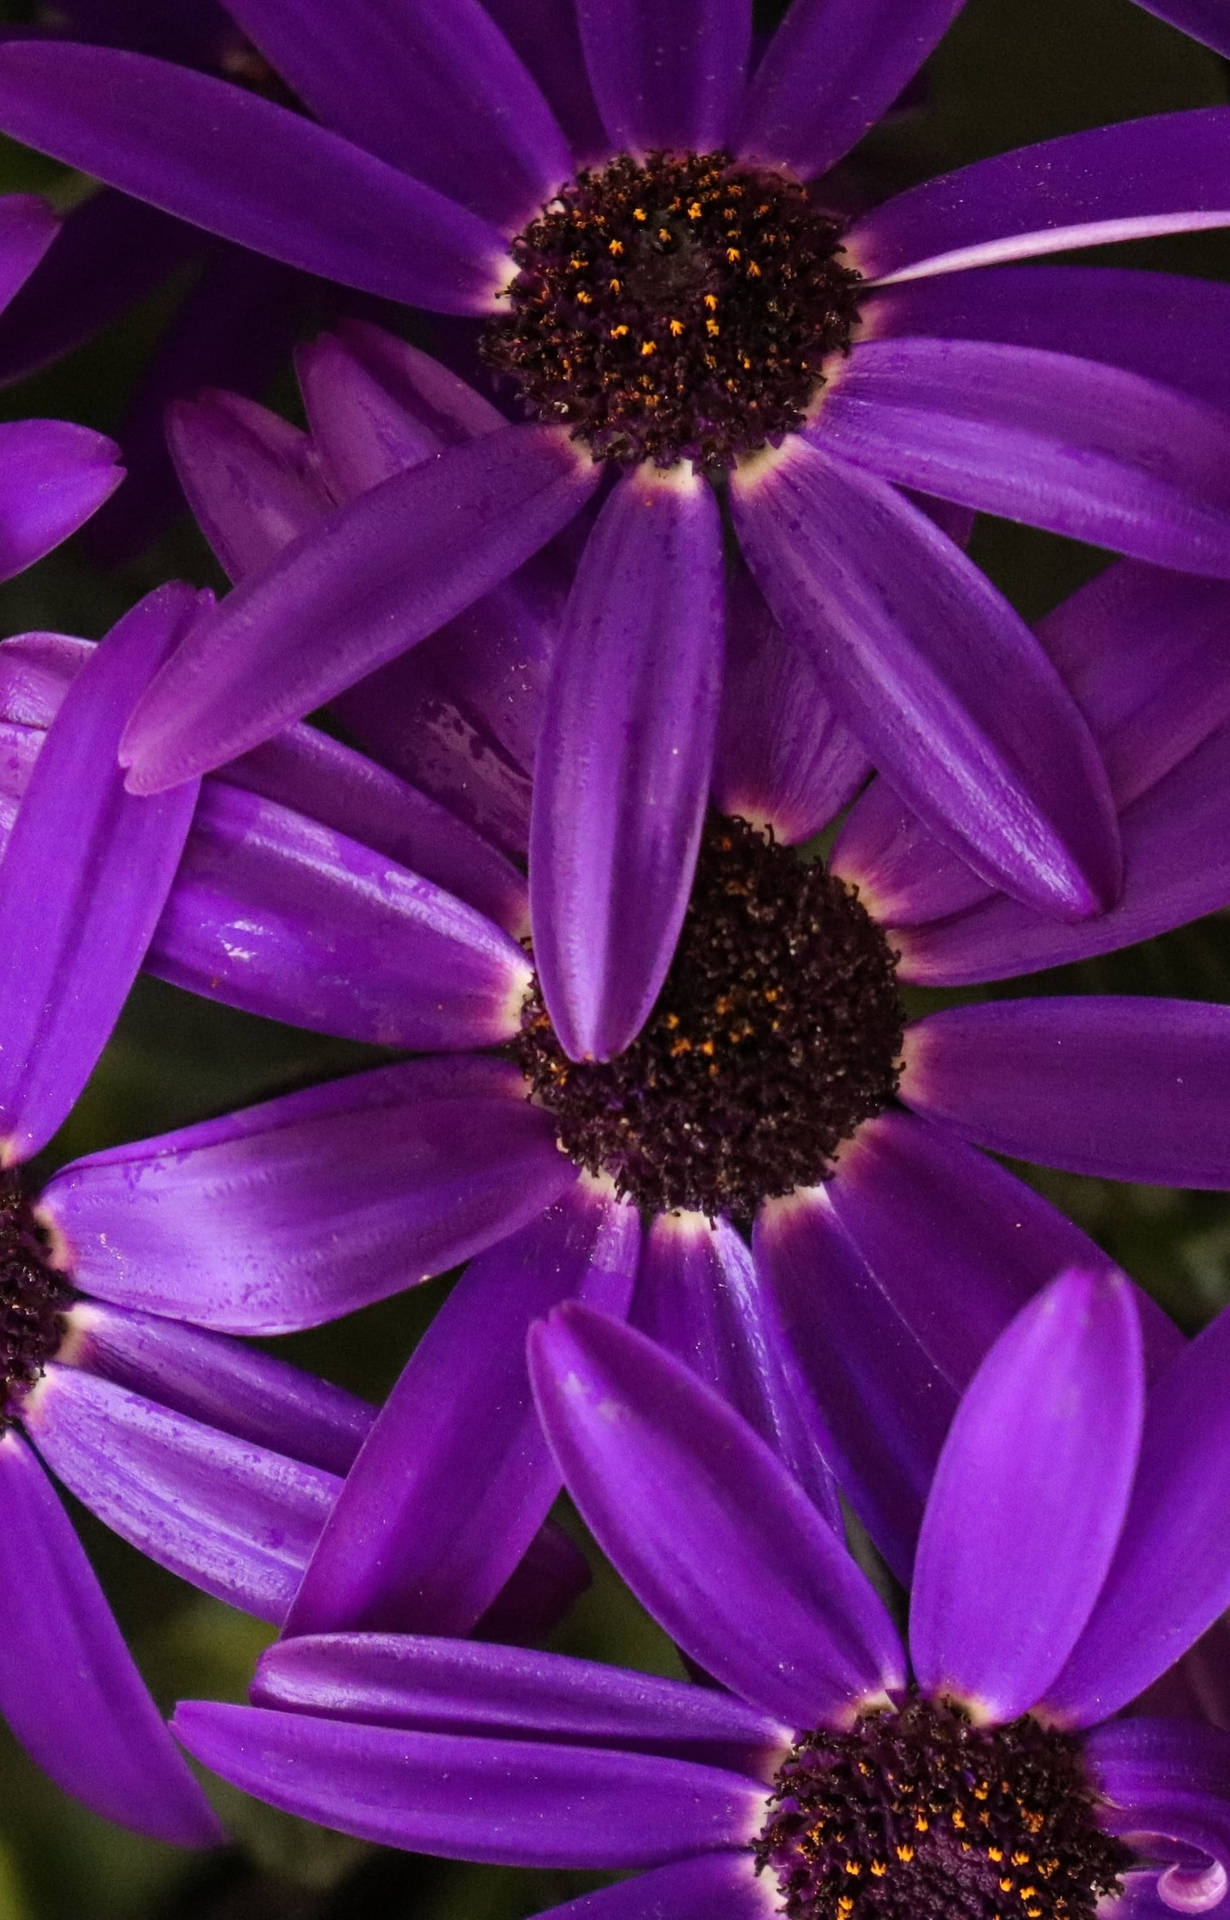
[219, 1382]
[480, 131]
[903, 873]
[27, 229]
[68, 1686]
[1029, 1497]
[707, 1527]
[832, 69]
[1085, 450]
[701, 1296]
[692, 1889]
[1130, 1089]
[1167, 174]
[1168, 1784]
[546, 35]
[237, 1520]
[916, 648]
[516, 1802]
[455, 1477]
[622, 773]
[53, 476]
[461, 1686]
[783, 759]
[83, 882]
[248, 475]
[379, 575]
[884, 1403]
[666, 76]
[234, 163]
[1176, 842]
[303, 1208]
[1146, 1617]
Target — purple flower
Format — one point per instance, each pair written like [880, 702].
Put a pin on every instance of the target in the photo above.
[829, 1775]
[706, 272]
[53, 475]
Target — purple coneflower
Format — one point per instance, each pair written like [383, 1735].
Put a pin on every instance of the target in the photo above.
[830, 1775]
[675, 300]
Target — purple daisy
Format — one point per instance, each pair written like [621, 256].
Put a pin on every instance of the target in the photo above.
[722, 320]
[830, 1774]
[53, 475]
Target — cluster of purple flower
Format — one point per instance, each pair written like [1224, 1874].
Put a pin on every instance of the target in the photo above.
[653, 575]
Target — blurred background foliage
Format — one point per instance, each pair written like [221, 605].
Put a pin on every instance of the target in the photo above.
[1010, 72]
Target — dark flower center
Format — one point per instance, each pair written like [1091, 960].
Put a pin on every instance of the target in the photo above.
[676, 308]
[33, 1299]
[778, 1030]
[918, 1814]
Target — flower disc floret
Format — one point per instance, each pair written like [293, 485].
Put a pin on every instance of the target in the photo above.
[675, 308]
[918, 1814]
[778, 1030]
[33, 1299]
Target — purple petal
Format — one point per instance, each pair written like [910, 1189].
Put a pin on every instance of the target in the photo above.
[479, 130]
[459, 1686]
[220, 1382]
[832, 69]
[1124, 1088]
[622, 773]
[293, 1212]
[53, 476]
[281, 916]
[234, 163]
[701, 1296]
[68, 1686]
[1176, 842]
[1035, 1474]
[236, 1520]
[693, 1889]
[378, 575]
[1147, 1617]
[514, 1802]
[1166, 327]
[542, 1588]
[249, 477]
[902, 872]
[666, 76]
[1085, 450]
[83, 882]
[1168, 174]
[27, 228]
[1203, 19]
[884, 1403]
[546, 35]
[916, 647]
[1168, 1784]
[782, 759]
[428, 1549]
[709, 1530]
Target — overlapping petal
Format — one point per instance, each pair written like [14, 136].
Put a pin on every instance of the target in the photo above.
[666, 77]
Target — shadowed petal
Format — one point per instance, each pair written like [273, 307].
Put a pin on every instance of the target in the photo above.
[460, 1686]
[622, 773]
[707, 1527]
[377, 576]
[666, 76]
[1125, 1088]
[1029, 1497]
[1203, 19]
[27, 229]
[83, 882]
[1168, 1783]
[248, 475]
[1170, 1578]
[68, 1686]
[53, 476]
[916, 648]
[480, 131]
[546, 35]
[700, 1295]
[783, 759]
[220, 1382]
[303, 1208]
[687, 1890]
[514, 1802]
[903, 873]
[1167, 174]
[884, 1403]
[234, 163]
[455, 1477]
[831, 70]
[237, 1520]
[1085, 450]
